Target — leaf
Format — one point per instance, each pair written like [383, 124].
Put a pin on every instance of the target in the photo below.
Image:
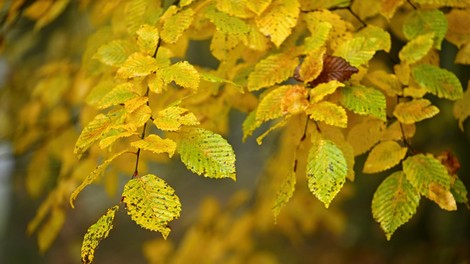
[147, 39]
[421, 22]
[417, 48]
[278, 19]
[384, 156]
[174, 117]
[329, 113]
[277, 125]
[93, 175]
[156, 144]
[92, 132]
[364, 101]
[324, 89]
[183, 74]
[463, 56]
[295, 100]
[175, 23]
[270, 105]
[458, 32]
[326, 170]
[137, 65]
[97, 232]
[462, 107]
[51, 229]
[437, 81]
[376, 38]
[227, 24]
[389, 7]
[285, 193]
[258, 6]
[386, 82]
[118, 95]
[430, 178]
[394, 203]
[250, 124]
[414, 111]
[272, 70]
[334, 68]
[320, 31]
[206, 153]
[396, 130]
[459, 191]
[357, 51]
[151, 203]
[138, 117]
[234, 8]
[311, 66]
[114, 53]
[365, 135]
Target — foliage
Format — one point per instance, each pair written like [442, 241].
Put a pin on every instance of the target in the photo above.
[314, 70]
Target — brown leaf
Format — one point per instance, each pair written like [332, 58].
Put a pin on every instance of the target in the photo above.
[334, 68]
[450, 161]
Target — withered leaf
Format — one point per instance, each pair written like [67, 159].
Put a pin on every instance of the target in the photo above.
[334, 68]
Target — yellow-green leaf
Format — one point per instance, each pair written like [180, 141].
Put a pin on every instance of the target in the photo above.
[137, 65]
[156, 144]
[417, 48]
[97, 232]
[364, 101]
[91, 133]
[320, 91]
[175, 23]
[320, 31]
[285, 193]
[277, 125]
[430, 178]
[462, 107]
[394, 203]
[118, 95]
[384, 156]
[206, 153]
[459, 191]
[376, 38]
[115, 53]
[328, 112]
[151, 203]
[278, 20]
[356, 51]
[421, 22]
[227, 24]
[174, 117]
[414, 111]
[272, 70]
[437, 81]
[93, 175]
[147, 39]
[326, 170]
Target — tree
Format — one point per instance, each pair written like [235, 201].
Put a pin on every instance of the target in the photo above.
[328, 82]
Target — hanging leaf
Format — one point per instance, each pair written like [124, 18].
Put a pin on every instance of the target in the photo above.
[137, 65]
[462, 107]
[334, 68]
[285, 193]
[414, 111]
[147, 39]
[437, 81]
[417, 48]
[156, 144]
[206, 153]
[329, 113]
[324, 89]
[175, 23]
[326, 170]
[92, 132]
[91, 177]
[384, 156]
[272, 70]
[115, 53]
[151, 203]
[397, 130]
[174, 117]
[421, 22]
[394, 203]
[118, 95]
[365, 135]
[278, 20]
[270, 105]
[431, 179]
[97, 232]
[365, 101]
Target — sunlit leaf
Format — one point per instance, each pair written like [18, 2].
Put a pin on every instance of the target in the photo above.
[118, 95]
[137, 65]
[324, 89]
[364, 100]
[397, 130]
[421, 22]
[295, 100]
[175, 23]
[312, 65]
[272, 70]
[206, 153]
[151, 203]
[97, 232]
[174, 117]
[414, 111]
[394, 203]
[270, 105]
[258, 6]
[91, 133]
[183, 74]
[384, 156]
[156, 144]
[440, 82]
[356, 51]
[147, 39]
[326, 170]
[330, 113]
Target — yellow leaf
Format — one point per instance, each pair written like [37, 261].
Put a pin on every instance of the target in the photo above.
[322, 90]
[51, 228]
[156, 144]
[38, 173]
[147, 39]
[403, 72]
[387, 82]
[137, 65]
[278, 20]
[176, 23]
[458, 32]
[463, 56]
[174, 117]
[312, 65]
[184, 75]
[389, 7]
[45, 11]
[376, 38]
[365, 135]
[138, 117]
[356, 51]
[118, 95]
[396, 130]
[324, 25]
[270, 105]
[308, 5]
[258, 6]
[294, 100]
[329, 113]
[140, 12]
[414, 111]
[442, 197]
[285, 193]
[462, 107]
[320, 32]
[384, 156]
[272, 70]
[92, 132]
[417, 48]
[235, 8]
[115, 53]
[277, 125]
[227, 24]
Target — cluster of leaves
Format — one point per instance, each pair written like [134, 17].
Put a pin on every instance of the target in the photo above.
[311, 67]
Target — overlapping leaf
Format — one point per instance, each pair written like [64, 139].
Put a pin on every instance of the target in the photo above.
[206, 153]
[440, 82]
[394, 203]
[421, 22]
[272, 70]
[326, 170]
[384, 156]
[91, 133]
[270, 105]
[334, 69]
[417, 48]
[364, 100]
[182, 73]
[147, 39]
[118, 95]
[365, 135]
[386, 82]
[414, 111]
[97, 232]
[356, 51]
[174, 117]
[324, 89]
[330, 113]
[156, 144]
[175, 23]
[137, 65]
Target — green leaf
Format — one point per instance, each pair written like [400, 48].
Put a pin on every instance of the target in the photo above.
[174, 117]
[97, 232]
[137, 65]
[394, 203]
[431, 179]
[462, 107]
[365, 101]
[285, 193]
[421, 22]
[416, 49]
[151, 203]
[328, 112]
[376, 37]
[115, 53]
[459, 191]
[118, 95]
[206, 153]
[384, 156]
[437, 81]
[326, 170]
[272, 70]
[93, 175]
[175, 23]
[414, 111]
[156, 144]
